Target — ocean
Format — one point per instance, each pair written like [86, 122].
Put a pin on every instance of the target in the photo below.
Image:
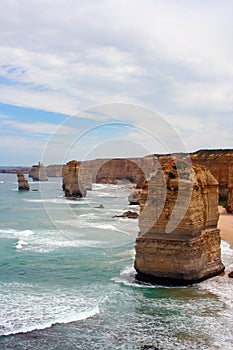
[67, 279]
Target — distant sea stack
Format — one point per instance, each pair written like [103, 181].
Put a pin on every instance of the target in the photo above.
[22, 182]
[191, 252]
[75, 180]
[38, 172]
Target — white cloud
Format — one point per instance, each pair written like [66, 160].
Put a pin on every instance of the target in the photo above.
[219, 97]
[172, 56]
[53, 101]
[20, 145]
[38, 127]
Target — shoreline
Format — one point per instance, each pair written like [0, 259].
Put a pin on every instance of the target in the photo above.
[225, 224]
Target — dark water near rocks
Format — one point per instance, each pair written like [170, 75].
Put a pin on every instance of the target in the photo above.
[67, 279]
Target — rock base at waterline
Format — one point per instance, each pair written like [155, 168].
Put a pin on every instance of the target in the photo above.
[168, 262]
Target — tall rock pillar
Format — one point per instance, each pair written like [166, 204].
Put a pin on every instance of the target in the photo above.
[74, 182]
[190, 251]
[22, 182]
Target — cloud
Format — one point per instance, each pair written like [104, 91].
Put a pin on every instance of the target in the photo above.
[87, 51]
[174, 57]
[38, 127]
[218, 97]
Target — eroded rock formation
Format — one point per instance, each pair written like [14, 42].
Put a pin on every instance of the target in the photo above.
[75, 180]
[135, 170]
[128, 214]
[22, 182]
[220, 164]
[179, 242]
[38, 172]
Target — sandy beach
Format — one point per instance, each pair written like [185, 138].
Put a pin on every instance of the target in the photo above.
[225, 224]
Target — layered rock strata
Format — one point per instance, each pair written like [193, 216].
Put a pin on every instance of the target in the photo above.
[179, 242]
[75, 180]
[134, 170]
[22, 182]
[220, 164]
[38, 172]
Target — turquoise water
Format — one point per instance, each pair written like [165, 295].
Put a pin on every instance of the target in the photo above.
[67, 279]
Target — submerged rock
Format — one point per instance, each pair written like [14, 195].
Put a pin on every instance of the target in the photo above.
[179, 242]
[100, 206]
[22, 182]
[128, 214]
[230, 274]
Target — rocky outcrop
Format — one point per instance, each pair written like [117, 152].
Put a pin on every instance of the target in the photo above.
[179, 242]
[38, 172]
[134, 170]
[85, 178]
[22, 182]
[128, 214]
[75, 180]
[220, 164]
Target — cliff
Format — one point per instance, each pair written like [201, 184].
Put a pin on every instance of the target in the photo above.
[179, 242]
[220, 164]
[76, 180]
[38, 172]
[54, 170]
[22, 182]
[134, 170]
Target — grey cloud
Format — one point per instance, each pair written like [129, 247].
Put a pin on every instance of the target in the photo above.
[162, 54]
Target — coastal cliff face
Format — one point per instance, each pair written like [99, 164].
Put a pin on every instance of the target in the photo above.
[75, 180]
[220, 164]
[112, 170]
[54, 170]
[38, 172]
[188, 251]
[230, 190]
[22, 182]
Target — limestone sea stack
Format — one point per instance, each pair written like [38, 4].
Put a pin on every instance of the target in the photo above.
[38, 172]
[178, 243]
[22, 182]
[75, 181]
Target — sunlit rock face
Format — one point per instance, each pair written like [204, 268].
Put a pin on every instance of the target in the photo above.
[22, 182]
[112, 171]
[76, 180]
[220, 164]
[179, 242]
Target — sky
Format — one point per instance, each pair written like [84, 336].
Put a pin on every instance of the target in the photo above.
[112, 78]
